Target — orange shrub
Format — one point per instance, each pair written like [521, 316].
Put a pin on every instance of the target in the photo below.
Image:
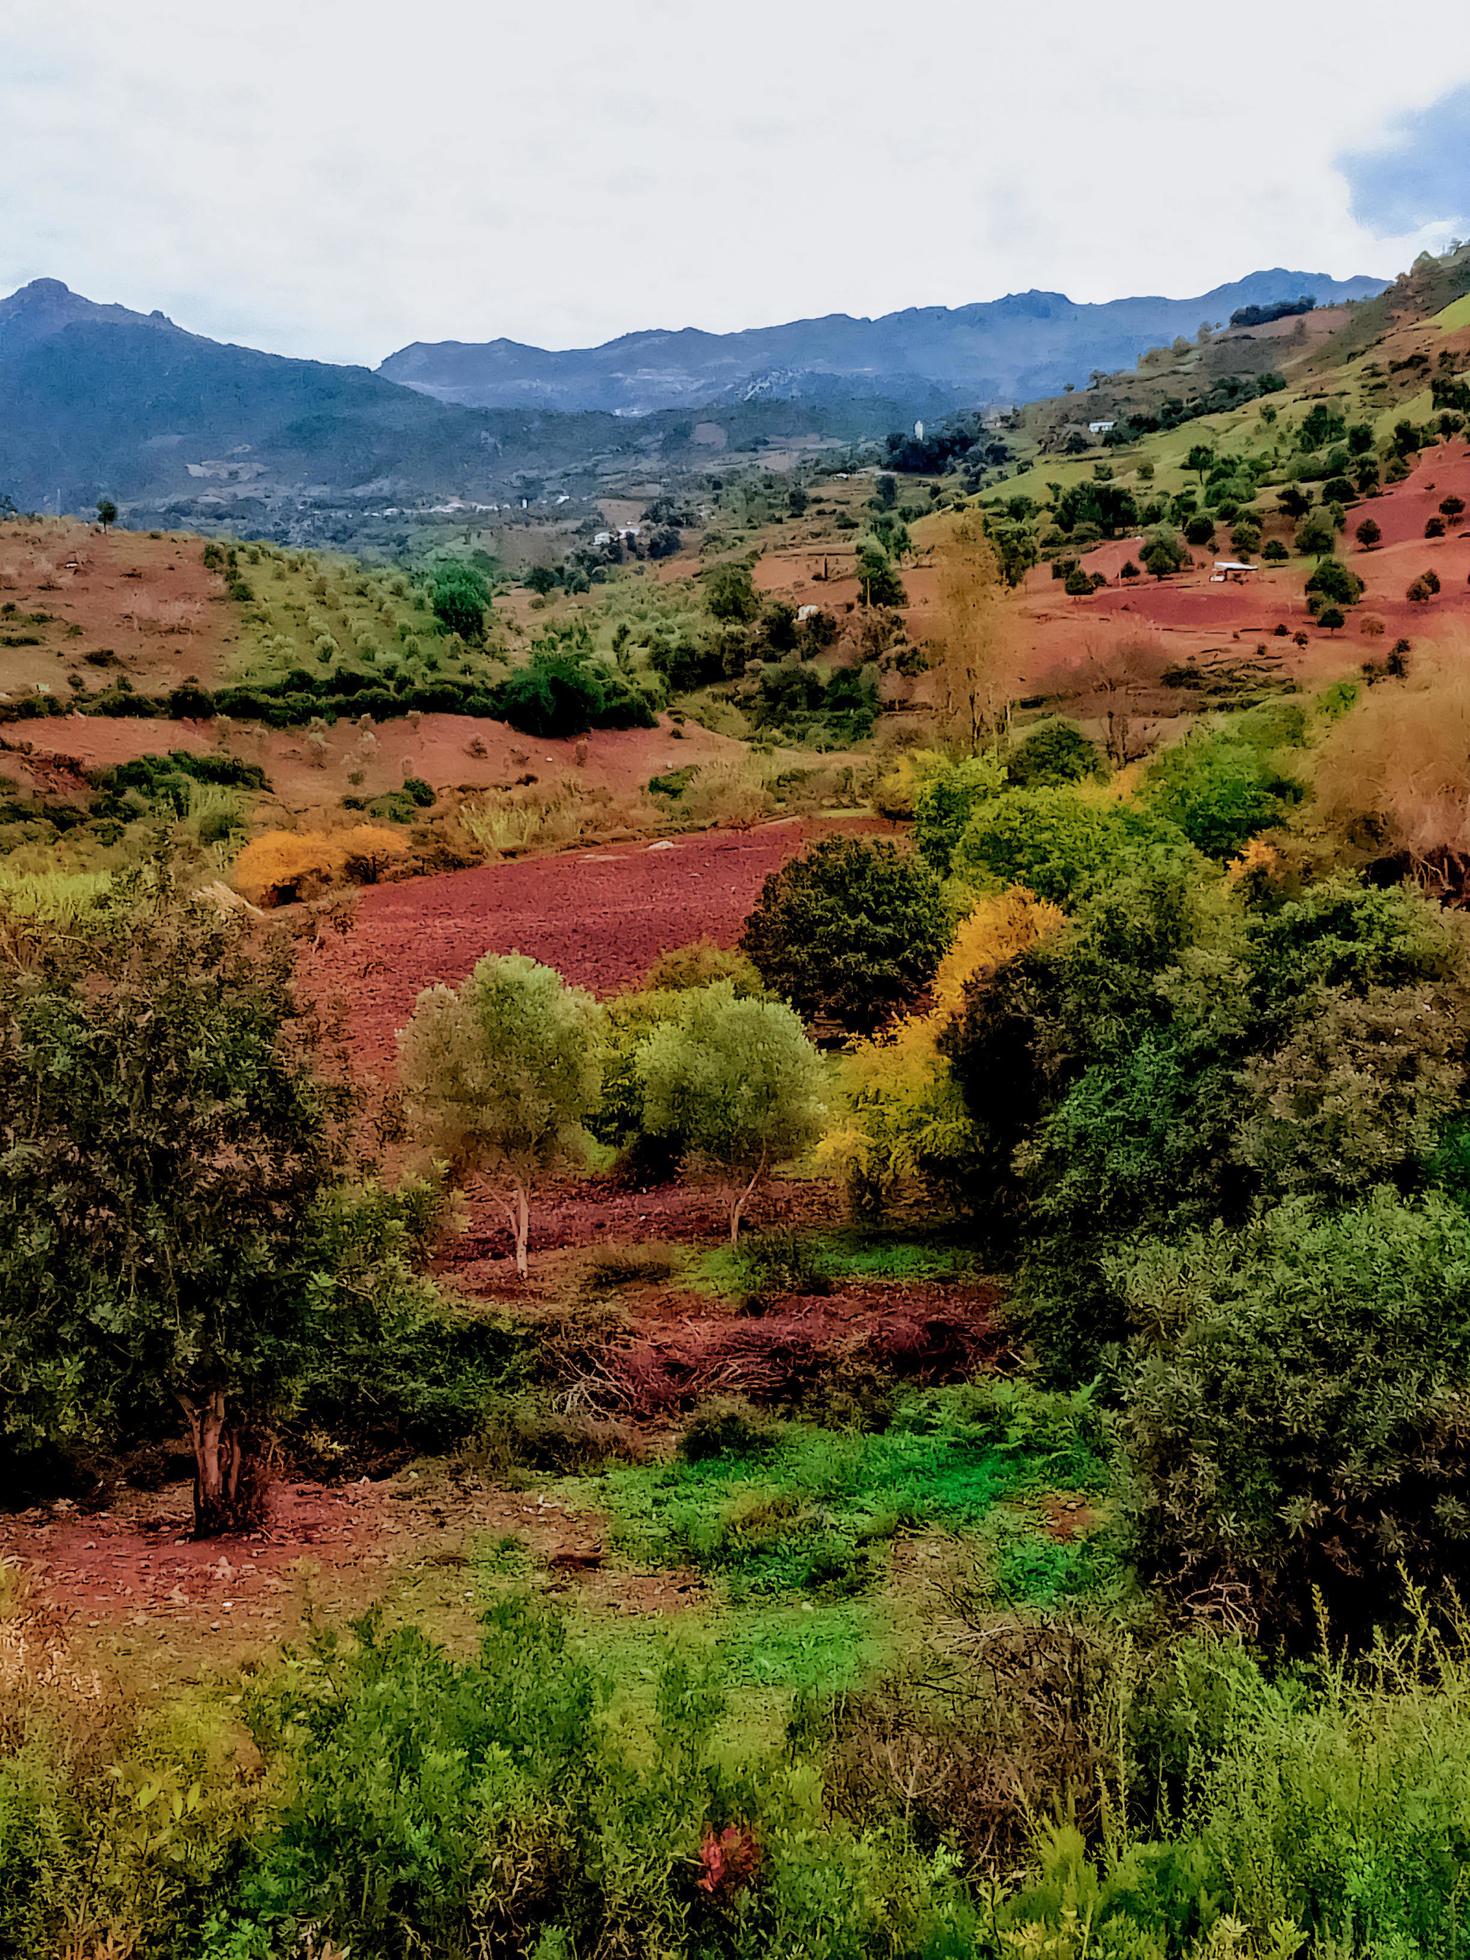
[281, 866]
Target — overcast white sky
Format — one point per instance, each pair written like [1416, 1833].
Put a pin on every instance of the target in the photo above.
[338, 177]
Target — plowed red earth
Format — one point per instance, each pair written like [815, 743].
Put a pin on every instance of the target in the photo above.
[600, 917]
[920, 1332]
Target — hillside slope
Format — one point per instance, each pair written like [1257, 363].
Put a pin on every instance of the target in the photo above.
[96, 399]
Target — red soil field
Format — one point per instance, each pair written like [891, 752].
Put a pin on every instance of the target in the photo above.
[450, 752]
[600, 917]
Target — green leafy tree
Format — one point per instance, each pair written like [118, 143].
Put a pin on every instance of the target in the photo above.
[1220, 790]
[165, 1142]
[946, 800]
[732, 1086]
[1200, 529]
[1056, 841]
[1050, 752]
[851, 931]
[878, 581]
[460, 599]
[730, 594]
[1369, 533]
[1163, 554]
[501, 1075]
[106, 512]
[1201, 459]
[1333, 583]
[1315, 536]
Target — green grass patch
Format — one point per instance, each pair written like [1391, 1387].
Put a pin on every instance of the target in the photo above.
[829, 1257]
[814, 1510]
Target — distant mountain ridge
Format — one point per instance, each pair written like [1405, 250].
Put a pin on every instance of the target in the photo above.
[999, 351]
[98, 399]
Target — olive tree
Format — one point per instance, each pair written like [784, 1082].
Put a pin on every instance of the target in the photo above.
[731, 1086]
[500, 1076]
[166, 1140]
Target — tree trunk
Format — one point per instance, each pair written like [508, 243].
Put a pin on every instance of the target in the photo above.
[228, 1482]
[742, 1198]
[520, 1225]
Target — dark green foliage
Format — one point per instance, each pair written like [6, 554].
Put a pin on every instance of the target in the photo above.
[730, 594]
[164, 1142]
[851, 931]
[460, 598]
[1052, 752]
[878, 581]
[162, 781]
[1170, 1061]
[561, 692]
[1109, 508]
[1333, 583]
[1300, 1421]
[946, 800]
[392, 1369]
[1058, 842]
[1164, 553]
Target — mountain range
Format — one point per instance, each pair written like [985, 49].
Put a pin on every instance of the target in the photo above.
[97, 399]
[997, 352]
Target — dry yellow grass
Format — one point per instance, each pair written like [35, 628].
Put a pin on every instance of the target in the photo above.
[1396, 770]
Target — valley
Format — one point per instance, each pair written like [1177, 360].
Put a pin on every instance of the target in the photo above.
[734, 1211]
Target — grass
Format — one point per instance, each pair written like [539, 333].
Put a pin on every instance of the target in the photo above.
[832, 1257]
[58, 896]
[814, 1510]
[774, 1648]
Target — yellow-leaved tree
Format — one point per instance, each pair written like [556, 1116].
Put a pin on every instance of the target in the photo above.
[976, 658]
[901, 1126]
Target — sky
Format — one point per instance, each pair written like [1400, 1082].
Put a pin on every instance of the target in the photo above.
[334, 180]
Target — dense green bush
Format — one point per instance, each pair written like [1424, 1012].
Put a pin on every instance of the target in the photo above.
[852, 930]
[1060, 843]
[1220, 789]
[1052, 752]
[946, 800]
[562, 692]
[1299, 1423]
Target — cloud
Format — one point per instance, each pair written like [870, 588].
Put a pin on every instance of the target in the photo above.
[1417, 177]
[337, 177]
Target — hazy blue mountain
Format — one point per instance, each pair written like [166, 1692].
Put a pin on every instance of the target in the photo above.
[99, 399]
[998, 351]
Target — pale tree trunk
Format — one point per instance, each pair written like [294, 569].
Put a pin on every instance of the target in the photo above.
[742, 1198]
[228, 1485]
[519, 1213]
